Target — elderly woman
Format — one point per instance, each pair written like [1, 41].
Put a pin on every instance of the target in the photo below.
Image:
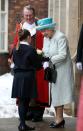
[56, 48]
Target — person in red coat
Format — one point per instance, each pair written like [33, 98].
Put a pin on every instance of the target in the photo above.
[79, 64]
[29, 22]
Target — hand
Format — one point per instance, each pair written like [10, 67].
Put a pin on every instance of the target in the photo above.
[9, 61]
[12, 65]
[45, 65]
[79, 66]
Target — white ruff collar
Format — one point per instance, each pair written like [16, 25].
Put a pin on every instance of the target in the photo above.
[30, 27]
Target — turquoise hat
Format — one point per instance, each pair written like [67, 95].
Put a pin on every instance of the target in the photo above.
[45, 23]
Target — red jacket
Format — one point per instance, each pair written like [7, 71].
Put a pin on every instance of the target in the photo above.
[42, 85]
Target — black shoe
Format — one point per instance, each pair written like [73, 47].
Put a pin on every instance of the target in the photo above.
[20, 128]
[52, 123]
[59, 125]
[29, 116]
[37, 119]
[25, 128]
[29, 128]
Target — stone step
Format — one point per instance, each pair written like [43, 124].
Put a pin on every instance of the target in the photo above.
[11, 124]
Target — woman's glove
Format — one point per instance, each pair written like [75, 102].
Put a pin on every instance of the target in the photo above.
[45, 59]
[79, 66]
[45, 65]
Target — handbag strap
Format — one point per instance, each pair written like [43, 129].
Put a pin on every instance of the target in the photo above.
[52, 65]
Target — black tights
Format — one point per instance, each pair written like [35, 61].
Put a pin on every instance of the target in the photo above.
[22, 110]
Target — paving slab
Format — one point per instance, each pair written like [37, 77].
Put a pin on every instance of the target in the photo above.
[11, 124]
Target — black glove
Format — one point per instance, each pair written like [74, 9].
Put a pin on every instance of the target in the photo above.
[45, 59]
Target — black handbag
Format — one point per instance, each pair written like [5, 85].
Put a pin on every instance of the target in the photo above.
[51, 74]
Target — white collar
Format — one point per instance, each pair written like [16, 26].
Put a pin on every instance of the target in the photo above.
[24, 42]
[30, 25]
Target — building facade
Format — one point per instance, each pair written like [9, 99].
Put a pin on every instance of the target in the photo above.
[67, 14]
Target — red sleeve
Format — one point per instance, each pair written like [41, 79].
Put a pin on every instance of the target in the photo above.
[39, 40]
[15, 39]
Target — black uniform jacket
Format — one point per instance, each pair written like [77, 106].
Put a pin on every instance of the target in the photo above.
[26, 62]
[80, 47]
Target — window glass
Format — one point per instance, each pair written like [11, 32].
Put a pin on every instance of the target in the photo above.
[2, 22]
[3, 25]
[2, 5]
[2, 40]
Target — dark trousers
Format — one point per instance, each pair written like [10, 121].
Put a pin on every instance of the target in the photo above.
[22, 110]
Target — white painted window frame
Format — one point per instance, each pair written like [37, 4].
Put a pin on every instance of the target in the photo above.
[6, 27]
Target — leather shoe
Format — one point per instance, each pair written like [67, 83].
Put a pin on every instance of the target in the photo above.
[57, 125]
[25, 128]
[29, 128]
[37, 119]
[29, 116]
[52, 123]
